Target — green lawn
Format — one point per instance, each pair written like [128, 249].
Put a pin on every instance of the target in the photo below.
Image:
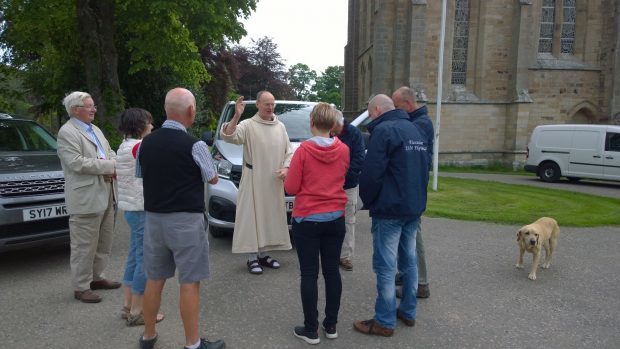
[499, 168]
[476, 200]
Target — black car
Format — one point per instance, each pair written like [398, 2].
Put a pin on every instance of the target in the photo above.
[32, 201]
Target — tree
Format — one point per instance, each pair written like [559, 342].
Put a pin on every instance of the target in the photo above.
[39, 39]
[328, 86]
[12, 94]
[141, 46]
[95, 20]
[223, 68]
[261, 68]
[300, 79]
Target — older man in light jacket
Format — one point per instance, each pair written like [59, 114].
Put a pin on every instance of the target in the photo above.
[89, 168]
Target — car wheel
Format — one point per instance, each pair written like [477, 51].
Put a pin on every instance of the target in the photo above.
[573, 179]
[549, 172]
[217, 232]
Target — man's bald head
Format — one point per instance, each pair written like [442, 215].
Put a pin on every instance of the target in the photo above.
[404, 98]
[180, 106]
[266, 104]
[379, 104]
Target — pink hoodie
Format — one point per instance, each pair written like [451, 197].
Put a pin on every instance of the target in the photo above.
[316, 176]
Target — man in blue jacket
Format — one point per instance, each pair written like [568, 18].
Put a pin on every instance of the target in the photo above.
[393, 187]
[404, 98]
[352, 137]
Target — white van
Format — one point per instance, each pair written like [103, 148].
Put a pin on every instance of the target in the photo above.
[575, 152]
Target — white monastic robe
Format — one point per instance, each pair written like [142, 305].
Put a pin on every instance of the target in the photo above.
[260, 223]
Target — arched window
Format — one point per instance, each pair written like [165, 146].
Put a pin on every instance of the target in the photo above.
[362, 86]
[567, 40]
[561, 14]
[460, 42]
[369, 80]
[547, 19]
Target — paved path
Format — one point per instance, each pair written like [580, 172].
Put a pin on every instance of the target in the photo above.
[594, 187]
[478, 299]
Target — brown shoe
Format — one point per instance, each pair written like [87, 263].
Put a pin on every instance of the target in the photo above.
[408, 322]
[373, 328]
[423, 291]
[346, 264]
[87, 296]
[104, 284]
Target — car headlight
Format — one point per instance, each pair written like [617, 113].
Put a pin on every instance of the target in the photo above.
[222, 166]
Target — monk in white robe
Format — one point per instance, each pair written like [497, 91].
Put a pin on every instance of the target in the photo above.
[260, 223]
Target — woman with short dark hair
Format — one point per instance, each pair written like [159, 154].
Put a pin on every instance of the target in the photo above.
[135, 123]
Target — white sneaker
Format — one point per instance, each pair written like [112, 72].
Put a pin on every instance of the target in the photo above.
[331, 332]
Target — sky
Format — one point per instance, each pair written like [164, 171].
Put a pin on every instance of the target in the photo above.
[310, 32]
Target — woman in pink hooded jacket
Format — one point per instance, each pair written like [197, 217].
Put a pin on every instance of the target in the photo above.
[316, 177]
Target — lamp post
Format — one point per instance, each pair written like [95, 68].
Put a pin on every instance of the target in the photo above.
[442, 38]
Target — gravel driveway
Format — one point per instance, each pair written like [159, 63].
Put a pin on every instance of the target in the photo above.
[478, 298]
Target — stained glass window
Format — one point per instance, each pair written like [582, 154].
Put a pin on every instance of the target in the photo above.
[461, 39]
[567, 40]
[545, 40]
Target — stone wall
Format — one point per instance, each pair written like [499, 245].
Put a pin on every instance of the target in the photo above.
[474, 133]
[510, 87]
[558, 95]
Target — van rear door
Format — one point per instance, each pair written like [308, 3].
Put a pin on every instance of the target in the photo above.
[586, 158]
[611, 156]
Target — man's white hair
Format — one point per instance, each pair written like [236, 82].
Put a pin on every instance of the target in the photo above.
[75, 99]
[339, 117]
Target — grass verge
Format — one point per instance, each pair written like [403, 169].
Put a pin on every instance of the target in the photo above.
[494, 167]
[475, 200]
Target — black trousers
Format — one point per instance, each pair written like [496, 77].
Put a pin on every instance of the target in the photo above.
[324, 240]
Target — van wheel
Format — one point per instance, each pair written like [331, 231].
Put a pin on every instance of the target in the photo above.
[217, 232]
[549, 172]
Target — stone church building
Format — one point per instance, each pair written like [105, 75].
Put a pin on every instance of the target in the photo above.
[509, 65]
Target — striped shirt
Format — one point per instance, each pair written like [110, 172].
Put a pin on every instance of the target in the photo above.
[200, 153]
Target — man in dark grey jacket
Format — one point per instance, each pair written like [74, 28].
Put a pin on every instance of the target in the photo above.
[404, 98]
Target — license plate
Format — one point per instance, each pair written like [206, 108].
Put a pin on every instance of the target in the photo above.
[34, 214]
[289, 205]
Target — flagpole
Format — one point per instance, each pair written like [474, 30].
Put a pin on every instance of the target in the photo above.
[442, 39]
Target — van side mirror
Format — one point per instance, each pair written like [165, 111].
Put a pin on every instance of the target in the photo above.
[207, 137]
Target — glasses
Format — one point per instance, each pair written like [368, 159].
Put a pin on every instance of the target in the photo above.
[94, 107]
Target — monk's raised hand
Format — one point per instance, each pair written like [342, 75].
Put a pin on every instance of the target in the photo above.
[239, 106]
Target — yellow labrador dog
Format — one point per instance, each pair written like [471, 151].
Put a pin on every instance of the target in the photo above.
[533, 237]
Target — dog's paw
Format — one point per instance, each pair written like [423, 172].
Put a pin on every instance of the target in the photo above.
[532, 276]
[546, 265]
[520, 266]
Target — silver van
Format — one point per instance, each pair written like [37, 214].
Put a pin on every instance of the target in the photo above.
[222, 197]
[32, 200]
[574, 152]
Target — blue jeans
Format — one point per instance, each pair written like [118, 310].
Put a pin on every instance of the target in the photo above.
[324, 240]
[393, 242]
[134, 269]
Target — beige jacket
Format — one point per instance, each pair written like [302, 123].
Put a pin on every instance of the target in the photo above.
[87, 186]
